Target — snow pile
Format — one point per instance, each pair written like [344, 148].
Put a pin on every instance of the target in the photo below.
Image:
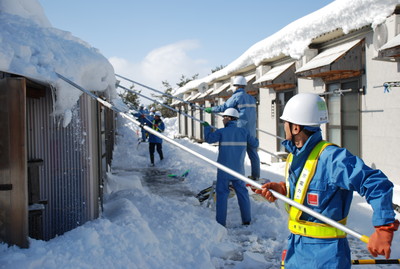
[294, 39]
[151, 221]
[32, 48]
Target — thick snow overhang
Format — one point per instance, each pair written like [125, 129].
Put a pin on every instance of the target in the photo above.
[391, 50]
[340, 62]
[279, 78]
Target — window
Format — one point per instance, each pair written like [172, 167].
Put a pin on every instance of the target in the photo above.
[344, 115]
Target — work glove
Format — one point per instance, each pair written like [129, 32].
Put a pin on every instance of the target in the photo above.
[254, 189]
[142, 116]
[381, 240]
[208, 109]
[276, 186]
[155, 125]
[205, 124]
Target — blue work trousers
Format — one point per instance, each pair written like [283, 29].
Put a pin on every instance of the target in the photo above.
[222, 191]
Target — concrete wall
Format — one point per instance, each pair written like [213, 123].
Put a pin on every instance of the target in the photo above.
[380, 113]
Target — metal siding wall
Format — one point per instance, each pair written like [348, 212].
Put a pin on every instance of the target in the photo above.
[65, 175]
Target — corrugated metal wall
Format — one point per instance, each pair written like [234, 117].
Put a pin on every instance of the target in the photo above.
[67, 180]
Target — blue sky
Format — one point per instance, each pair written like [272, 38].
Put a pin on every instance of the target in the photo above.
[153, 41]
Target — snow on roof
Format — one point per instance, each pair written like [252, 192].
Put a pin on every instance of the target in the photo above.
[328, 56]
[274, 73]
[32, 48]
[394, 42]
[294, 39]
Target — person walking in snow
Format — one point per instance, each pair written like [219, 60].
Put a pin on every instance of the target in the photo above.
[323, 176]
[141, 117]
[233, 142]
[154, 141]
[246, 105]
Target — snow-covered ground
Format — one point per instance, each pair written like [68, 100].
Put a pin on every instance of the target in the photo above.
[151, 220]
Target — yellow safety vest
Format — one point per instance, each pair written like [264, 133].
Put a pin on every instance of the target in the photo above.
[302, 227]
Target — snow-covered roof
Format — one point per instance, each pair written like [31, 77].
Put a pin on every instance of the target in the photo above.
[328, 56]
[273, 73]
[394, 42]
[294, 39]
[31, 47]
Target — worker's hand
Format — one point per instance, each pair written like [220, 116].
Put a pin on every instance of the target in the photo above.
[381, 240]
[276, 186]
[205, 124]
[155, 125]
[142, 116]
[208, 109]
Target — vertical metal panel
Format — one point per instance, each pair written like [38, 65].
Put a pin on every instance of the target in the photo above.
[13, 165]
[68, 176]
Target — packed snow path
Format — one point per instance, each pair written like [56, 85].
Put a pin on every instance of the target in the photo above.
[243, 243]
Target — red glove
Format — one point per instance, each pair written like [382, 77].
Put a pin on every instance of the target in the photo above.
[142, 116]
[155, 125]
[381, 240]
[276, 186]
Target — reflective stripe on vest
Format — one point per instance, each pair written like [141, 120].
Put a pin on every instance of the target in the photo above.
[302, 227]
[246, 105]
[225, 143]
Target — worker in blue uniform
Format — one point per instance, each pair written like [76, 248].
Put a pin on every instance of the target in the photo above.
[246, 105]
[323, 176]
[233, 142]
[155, 142]
[141, 116]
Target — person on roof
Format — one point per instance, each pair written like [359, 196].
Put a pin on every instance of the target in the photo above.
[154, 141]
[323, 177]
[246, 105]
[233, 142]
[141, 116]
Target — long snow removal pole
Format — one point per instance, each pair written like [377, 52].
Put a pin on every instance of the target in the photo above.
[377, 261]
[163, 93]
[189, 103]
[164, 105]
[185, 114]
[303, 208]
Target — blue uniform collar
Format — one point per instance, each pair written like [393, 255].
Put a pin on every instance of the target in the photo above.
[239, 90]
[231, 123]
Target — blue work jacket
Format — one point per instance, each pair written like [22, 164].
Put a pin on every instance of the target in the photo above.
[233, 142]
[160, 128]
[141, 115]
[330, 193]
[246, 105]
[337, 175]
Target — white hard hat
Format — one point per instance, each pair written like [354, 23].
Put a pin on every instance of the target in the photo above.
[307, 109]
[239, 81]
[231, 112]
[152, 109]
[141, 105]
[158, 113]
